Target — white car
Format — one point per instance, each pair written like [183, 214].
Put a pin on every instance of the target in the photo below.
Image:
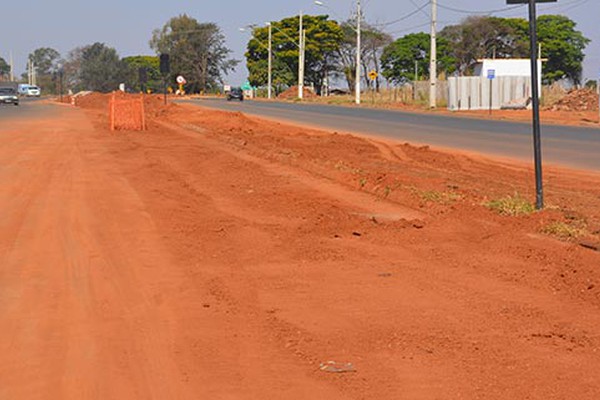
[29, 91]
[33, 91]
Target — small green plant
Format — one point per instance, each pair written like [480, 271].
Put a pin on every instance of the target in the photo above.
[511, 206]
[434, 196]
[363, 182]
[563, 230]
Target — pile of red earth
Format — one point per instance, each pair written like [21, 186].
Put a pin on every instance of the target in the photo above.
[292, 93]
[154, 104]
[92, 101]
[577, 100]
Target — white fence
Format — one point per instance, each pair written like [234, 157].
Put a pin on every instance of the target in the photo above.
[473, 93]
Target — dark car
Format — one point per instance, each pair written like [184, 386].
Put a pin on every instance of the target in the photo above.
[9, 96]
[235, 94]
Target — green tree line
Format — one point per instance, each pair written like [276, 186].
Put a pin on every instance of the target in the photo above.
[331, 49]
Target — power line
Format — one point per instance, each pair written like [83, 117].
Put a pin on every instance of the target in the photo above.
[496, 11]
[405, 17]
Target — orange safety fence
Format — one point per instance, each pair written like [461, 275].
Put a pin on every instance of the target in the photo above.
[126, 113]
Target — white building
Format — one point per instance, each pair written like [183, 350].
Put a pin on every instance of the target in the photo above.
[508, 67]
[496, 83]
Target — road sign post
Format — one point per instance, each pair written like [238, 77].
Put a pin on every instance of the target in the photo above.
[373, 77]
[165, 69]
[491, 74]
[535, 97]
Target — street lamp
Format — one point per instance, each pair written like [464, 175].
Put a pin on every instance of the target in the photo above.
[270, 50]
[270, 83]
[358, 46]
[301, 58]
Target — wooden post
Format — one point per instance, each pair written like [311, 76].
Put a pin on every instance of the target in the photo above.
[142, 112]
[112, 112]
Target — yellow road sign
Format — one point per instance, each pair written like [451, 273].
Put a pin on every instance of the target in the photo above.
[373, 75]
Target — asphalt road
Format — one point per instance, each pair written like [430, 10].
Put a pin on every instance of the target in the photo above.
[28, 108]
[569, 146]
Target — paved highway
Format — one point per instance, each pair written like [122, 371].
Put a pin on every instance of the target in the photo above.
[570, 146]
[28, 108]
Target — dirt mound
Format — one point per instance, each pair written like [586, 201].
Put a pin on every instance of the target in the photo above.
[292, 93]
[92, 101]
[154, 104]
[577, 100]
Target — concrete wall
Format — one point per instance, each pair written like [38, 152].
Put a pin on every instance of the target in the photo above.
[474, 93]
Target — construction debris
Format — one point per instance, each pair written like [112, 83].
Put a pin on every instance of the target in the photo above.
[577, 100]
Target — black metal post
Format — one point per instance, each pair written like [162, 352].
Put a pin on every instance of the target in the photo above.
[165, 88]
[491, 89]
[60, 76]
[535, 101]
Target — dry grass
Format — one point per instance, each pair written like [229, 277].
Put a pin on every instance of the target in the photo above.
[563, 230]
[511, 206]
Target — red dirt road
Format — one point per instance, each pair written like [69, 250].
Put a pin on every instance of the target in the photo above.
[222, 257]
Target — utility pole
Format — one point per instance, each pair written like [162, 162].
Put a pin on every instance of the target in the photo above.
[358, 51]
[270, 83]
[433, 57]
[12, 68]
[535, 97]
[301, 60]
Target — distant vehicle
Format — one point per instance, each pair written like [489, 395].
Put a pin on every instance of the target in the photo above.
[8, 95]
[235, 94]
[30, 91]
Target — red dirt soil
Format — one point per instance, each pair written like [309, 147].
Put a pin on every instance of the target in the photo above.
[224, 257]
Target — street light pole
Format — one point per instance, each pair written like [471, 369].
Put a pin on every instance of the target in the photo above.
[358, 52]
[301, 60]
[433, 57]
[270, 83]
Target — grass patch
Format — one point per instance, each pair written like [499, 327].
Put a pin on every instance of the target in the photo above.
[434, 196]
[563, 230]
[511, 206]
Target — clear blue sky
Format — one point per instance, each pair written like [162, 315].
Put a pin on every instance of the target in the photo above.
[127, 24]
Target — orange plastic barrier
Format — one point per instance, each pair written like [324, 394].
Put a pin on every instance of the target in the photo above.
[126, 113]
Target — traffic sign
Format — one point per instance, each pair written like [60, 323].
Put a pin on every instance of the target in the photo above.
[181, 80]
[527, 1]
[491, 73]
[165, 64]
[373, 75]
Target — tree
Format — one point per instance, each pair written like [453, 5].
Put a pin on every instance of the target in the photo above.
[398, 58]
[562, 45]
[72, 70]
[150, 64]
[373, 41]
[197, 51]
[101, 69]
[487, 37]
[4, 68]
[45, 61]
[482, 37]
[323, 38]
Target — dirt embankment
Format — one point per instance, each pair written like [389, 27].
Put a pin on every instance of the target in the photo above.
[230, 257]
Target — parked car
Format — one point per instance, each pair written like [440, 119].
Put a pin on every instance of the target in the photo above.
[8, 96]
[235, 94]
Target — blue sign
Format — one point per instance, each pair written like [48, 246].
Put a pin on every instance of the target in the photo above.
[491, 73]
